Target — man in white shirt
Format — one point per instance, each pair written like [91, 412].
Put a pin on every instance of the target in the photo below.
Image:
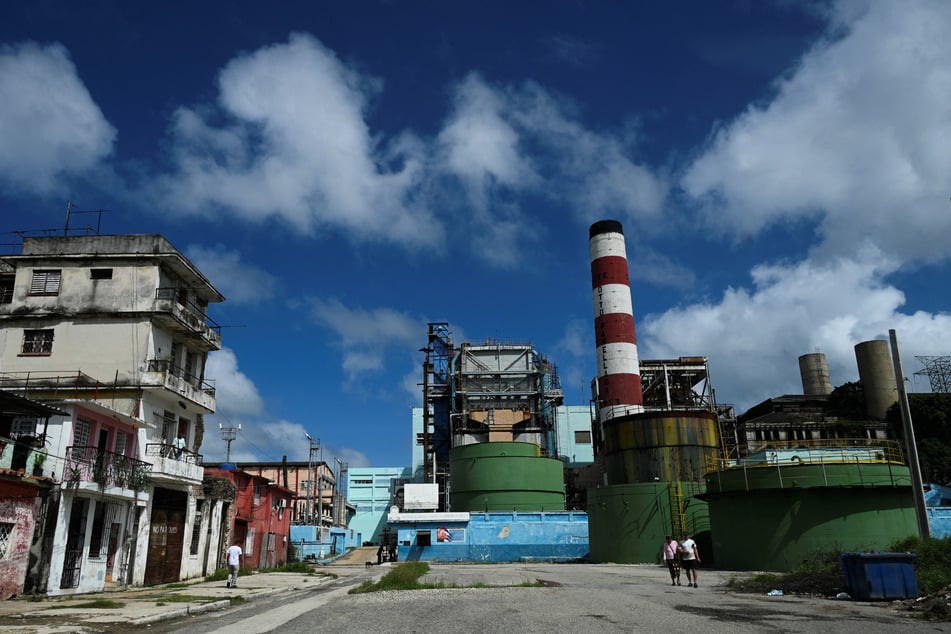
[689, 558]
[234, 562]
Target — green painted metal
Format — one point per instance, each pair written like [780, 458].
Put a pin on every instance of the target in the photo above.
[662, 446]
[775, 517]
[627, 523]
[505, 476]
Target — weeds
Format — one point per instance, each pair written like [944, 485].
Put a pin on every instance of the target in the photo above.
[98, 604]
[932, 562]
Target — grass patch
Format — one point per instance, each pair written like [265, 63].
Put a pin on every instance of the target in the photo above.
[98, 604]
[221, 574]
[403, 576]
[932, 562]
[296, 566]
[186, 598]
[824, 575]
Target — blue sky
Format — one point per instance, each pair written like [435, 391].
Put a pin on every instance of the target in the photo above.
[347, 172]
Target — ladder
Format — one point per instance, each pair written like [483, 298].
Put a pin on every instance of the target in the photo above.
[678, 519]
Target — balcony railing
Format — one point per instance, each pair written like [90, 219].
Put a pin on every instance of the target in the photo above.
[91, 464]
[167, 297]
[169, 451]
[164, 365]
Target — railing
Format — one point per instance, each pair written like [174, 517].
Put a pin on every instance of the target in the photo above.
[72, 566]
[170, 451]
[164, 365]
[91, 464]
[818, 452]
[189, 313]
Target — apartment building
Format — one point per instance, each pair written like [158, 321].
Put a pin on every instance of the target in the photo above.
[113, 332]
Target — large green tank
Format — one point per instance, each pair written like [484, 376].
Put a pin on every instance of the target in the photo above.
[777, 516]
[505, 476]
[666, 446]
[627, 523]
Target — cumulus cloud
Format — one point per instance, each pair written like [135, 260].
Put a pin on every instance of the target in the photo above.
[287, 138]
[365, 335]
[50, 125]
[261, 437]
[854, 138]
[754, 336]
[239, 282]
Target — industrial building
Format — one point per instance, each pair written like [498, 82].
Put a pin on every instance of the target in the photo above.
[497, 453]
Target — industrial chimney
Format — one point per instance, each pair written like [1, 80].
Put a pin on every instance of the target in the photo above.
[814, 370]
[619, 380]
[877, 375]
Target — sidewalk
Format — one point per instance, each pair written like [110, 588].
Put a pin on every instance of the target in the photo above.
[142, 606]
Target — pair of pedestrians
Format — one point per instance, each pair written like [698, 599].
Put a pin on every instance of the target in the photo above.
[683, 554]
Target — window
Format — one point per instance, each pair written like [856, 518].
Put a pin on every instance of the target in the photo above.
[38, 341]
[80, 435]
[582, 437]
[121, 438]
[100, 532]
[6, 529]
[6, 288]
[45, 283]
[196, 528]
[100, 274]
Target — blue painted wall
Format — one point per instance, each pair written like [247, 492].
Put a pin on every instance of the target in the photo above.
[497, 537]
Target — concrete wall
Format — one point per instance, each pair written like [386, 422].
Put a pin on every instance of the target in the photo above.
[19, 505]
[496, 537]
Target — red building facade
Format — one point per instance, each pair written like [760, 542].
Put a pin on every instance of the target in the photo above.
[259, 520]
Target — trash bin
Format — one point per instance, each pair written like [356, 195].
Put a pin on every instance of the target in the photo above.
[880, 576]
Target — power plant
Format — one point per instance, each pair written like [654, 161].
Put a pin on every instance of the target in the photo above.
[766, 490]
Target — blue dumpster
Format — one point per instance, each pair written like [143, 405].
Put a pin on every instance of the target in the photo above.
[880, 576]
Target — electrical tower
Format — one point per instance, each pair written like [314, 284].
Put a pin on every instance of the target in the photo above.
[938, 370]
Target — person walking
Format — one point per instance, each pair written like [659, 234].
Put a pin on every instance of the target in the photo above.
[234, 563]
[689, 558]
[672, 559]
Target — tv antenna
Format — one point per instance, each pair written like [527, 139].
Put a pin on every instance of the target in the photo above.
[72, 211]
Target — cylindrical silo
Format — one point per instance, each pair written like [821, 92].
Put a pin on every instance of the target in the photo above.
[814, 370]
[619, 381]
[505, 476]
[877, 375]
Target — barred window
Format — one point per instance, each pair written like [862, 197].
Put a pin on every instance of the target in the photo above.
[45, 282]
[38, 341]
[6, 529]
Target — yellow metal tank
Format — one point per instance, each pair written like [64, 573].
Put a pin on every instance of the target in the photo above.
[660, 446]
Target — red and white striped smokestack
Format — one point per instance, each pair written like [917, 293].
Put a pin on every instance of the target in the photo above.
[619, 378]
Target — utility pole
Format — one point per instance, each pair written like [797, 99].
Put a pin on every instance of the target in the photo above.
[917, 486]
[228, 434]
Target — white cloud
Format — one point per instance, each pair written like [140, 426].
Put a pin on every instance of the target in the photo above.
[294, 144]
[235, 392]
[856, 137]
[365, 335]
[239, 282]
[754, 337]
[50, 125]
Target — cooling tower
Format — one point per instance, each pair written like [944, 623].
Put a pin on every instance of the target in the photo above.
[814, 370]
[619, 381]
[878, 377]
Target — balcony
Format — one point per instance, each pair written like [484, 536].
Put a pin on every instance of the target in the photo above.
[91, 467]
[186, 317]
[184, 383]
[168, 463]
[21, 455]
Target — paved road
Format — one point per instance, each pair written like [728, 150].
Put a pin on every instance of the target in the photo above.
[574, 598]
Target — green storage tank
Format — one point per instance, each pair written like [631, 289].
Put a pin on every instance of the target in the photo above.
[775, 516]
[627, 523]
[504, 476]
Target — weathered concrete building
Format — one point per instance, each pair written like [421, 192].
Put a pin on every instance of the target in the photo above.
[114, 331]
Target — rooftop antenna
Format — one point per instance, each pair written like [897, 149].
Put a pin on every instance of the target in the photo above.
[228, 434]
[71, 210]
